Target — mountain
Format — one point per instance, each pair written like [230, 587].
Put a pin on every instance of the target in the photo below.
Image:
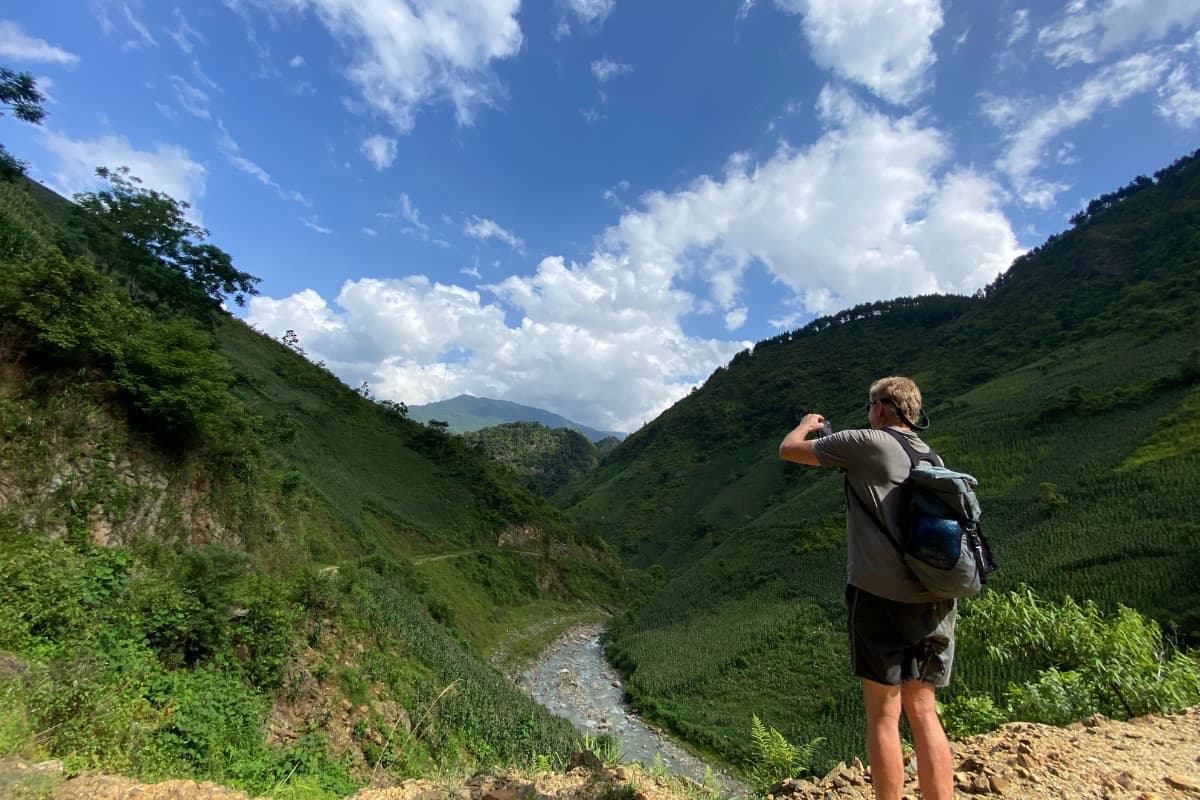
[548, 458]
[1069, 388]
[217, 561]
[467, 413]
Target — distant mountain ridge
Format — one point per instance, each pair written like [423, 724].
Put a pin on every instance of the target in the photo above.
[466, 413]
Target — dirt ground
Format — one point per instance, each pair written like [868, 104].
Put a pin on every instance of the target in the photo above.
[1150, 758]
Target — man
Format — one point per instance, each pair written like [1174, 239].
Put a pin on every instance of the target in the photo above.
[901, 636]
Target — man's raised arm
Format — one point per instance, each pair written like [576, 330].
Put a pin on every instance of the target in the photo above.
[796, 446]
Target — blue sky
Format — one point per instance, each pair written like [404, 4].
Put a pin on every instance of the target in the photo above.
[588, 205]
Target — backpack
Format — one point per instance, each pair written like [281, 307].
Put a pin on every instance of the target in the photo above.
[943, 536]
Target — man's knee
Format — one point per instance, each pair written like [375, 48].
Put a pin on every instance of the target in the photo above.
[919, 700]
[882, 701]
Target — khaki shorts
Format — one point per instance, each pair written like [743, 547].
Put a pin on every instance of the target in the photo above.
[893, 642]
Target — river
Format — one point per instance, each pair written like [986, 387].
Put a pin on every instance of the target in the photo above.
[573, 680]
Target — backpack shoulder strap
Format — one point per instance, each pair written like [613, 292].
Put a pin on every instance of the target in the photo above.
[913, 456]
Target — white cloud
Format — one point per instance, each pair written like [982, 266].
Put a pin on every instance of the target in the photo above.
[852, 218]
[380, 150]
[185, 35]
[17, 45]
[143, 34]
[1107, 88]
[190, 99]
[868, 211]
[1093, 29]
[419, 341]
[484, 229]
[166, 168]
[313, 223]
[233, 153]
[591, 11]
[603, 69]
[296, 62]
[1180, 98]
[370, 231]
[407, 56]
[883, 45]
[744, 10]
[1020, 27]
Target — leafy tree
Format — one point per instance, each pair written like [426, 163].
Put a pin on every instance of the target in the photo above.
[155, 224]
[18, 91]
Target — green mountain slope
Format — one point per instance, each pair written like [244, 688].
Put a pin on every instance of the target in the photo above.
[467, 413]
[1067, 388]
[548, 459]
[217, 561]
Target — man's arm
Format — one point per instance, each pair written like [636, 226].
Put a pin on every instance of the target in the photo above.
[796, 446]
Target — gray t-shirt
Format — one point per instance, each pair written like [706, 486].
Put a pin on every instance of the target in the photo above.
[875, 464]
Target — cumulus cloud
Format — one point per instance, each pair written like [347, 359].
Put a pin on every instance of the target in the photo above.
[406, 56]
[1093, 29]
[854, 217]
[380, 151]
[17, 45]
[871, 210]
[419, 341]
[1034, 130]
[166, 168]
[484, 229]
[883, 45]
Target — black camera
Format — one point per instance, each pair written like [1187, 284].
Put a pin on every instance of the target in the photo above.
[826, 429]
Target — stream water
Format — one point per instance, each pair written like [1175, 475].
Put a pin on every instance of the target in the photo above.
[573, 680]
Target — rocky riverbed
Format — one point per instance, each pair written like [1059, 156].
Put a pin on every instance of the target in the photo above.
[573, 679]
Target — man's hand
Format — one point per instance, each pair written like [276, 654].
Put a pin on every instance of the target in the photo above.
[796, 447]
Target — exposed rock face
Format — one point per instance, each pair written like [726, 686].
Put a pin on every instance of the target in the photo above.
[67, 465]
[1152, 758]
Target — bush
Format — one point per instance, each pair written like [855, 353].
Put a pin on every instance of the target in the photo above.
[1119, 665]
[175, 377]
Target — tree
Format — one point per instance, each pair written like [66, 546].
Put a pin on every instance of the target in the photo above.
[18, 90]
[156, 224]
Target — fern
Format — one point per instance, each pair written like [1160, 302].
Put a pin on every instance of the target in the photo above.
[775, 758]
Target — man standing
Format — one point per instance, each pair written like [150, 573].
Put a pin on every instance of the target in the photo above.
[901, 636]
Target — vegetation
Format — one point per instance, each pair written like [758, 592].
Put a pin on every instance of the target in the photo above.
[1086, 662]
[219, 561]
[547, 459]
[775, 758]
[1068, 388]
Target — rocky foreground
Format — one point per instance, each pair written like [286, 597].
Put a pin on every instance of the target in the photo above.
[1151, 758]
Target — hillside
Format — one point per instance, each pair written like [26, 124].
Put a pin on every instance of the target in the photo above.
[217, 561]
[467, 413]
[547, 459]
[1068, 387]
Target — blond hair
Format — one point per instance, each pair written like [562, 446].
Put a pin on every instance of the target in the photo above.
[901, 391]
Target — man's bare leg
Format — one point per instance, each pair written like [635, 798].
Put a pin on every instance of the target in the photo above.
[883, 739]
[935, 764]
